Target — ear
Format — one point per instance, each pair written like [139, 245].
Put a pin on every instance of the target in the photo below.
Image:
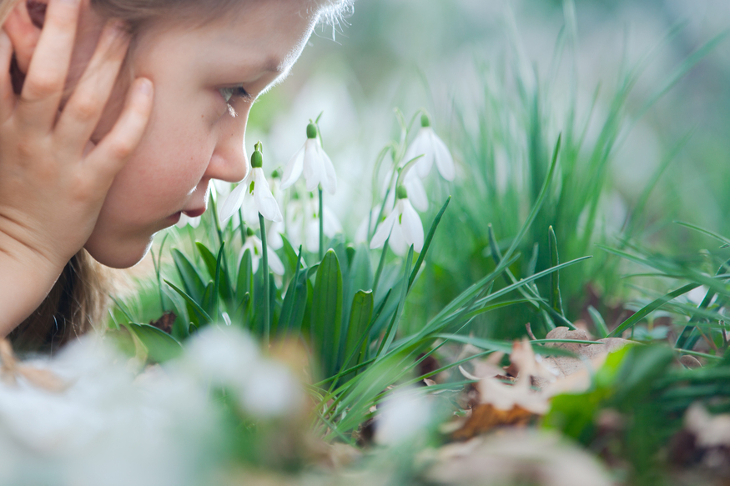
[23, 26]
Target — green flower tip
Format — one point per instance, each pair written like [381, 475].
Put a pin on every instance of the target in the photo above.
[311, 130]
[257, 159]
[276, 174]
[249, 231]
[425, 122]
[401, 192]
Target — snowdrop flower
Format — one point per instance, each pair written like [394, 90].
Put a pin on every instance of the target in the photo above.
[414, 186]
[254, 244]
[263, 200]
[402, 225]
[185, 220]
[402, 417]
[302, 223]
[432, 148]
[311, 160]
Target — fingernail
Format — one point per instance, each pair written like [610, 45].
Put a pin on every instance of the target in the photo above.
[144, 87]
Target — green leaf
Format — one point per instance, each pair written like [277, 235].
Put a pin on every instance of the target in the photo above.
[181, 326]
[651, 307]
[192, 281]
[427, 242]
[213, 264]
[598, 322]
[556, 302]
[244, 284]
[193, 304]
[327, 311]
[360, 315]
[160, 346]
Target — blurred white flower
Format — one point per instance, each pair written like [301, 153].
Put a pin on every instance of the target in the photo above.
[271, 391]
[313, 162]
[185, 220]
[401, 418]
[253, 243]
[403, 226]
[106, 427]
[361, 234]
[220, 355]
[264, 201]
[433, 149]
[302, 223]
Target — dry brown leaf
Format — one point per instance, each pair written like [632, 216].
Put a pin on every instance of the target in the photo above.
[709, 430]
[590, 357]
[165, 322]
[486, 417]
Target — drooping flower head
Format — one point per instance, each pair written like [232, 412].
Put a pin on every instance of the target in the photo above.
[428, 144]
[403, 226]
[264, 202]
[312, 161]
[254, 244]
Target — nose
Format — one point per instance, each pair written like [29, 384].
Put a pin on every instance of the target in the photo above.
[229, 162]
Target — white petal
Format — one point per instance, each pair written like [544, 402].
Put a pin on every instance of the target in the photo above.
[265, 201]
[311, 235]
[233, 201]
[444, 161]
[313, 170]
[416, 191]
[424, 145]
[397, 241]
[332, 224]
[329, 181]
[275, 264]
[293, 169]
[383, 231]
[273, 235]
[412, 226]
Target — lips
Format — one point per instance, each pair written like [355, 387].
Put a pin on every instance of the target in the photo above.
[194, 213]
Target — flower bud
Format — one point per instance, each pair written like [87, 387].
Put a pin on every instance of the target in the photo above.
[311, 130]
[401, 192]
[257, 159]
[425, 122]
[249, 231]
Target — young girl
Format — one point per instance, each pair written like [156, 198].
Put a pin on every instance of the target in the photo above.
[114, 117]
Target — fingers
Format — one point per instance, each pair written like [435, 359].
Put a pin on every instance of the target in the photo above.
[46, 77]
[83, 110]
[7, 97]
[114, 149]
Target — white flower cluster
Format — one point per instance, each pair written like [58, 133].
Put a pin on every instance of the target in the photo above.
[108, 426]
[402, 227]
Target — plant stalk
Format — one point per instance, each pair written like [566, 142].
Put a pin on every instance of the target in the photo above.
[321, 225]
[265, 270]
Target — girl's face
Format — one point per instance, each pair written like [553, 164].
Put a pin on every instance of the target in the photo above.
[192, 136]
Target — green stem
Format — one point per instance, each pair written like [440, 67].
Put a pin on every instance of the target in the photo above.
[321, 225]
[265, 270]
[242, 227]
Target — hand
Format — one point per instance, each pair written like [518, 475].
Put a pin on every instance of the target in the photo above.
[53, 180]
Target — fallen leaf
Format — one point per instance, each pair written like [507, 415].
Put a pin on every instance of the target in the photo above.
[165, 322]
[486, 417]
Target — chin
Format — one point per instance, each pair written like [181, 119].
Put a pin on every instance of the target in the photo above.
[115, 254]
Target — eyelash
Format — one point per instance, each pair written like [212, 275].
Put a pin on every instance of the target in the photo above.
[234, 91]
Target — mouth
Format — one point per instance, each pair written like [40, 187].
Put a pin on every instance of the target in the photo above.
[194, 213]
